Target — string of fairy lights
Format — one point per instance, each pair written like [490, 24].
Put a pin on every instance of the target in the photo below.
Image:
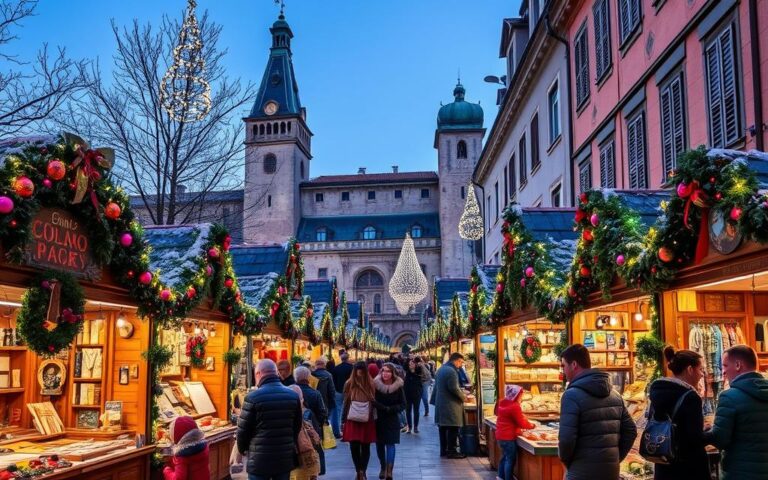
[408, 285]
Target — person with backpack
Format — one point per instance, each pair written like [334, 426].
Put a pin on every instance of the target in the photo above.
[596, 431]
[674, 400]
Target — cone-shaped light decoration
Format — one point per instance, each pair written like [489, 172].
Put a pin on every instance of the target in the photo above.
[185, 94]
[408, 285]
[471, 222]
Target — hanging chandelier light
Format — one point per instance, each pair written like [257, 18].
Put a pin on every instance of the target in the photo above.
[471, 222]
[408, 285]
[184, 92]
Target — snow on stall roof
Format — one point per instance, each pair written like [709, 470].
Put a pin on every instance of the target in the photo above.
[562, 252]
[176, 249]
[256, 287]
[16, 145]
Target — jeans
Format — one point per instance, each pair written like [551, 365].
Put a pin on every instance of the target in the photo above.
[507, 462]
[425, 396]
[412, 412]
[361, 455]
[386, 454]
[279, 476]
[336, 415]
[449, 437]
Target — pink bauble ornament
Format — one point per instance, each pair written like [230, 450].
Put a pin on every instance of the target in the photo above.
[213, 252]
[522, 282]
[684, 189]
[499, 287]
[56, 169]
[620, 260]
[191, 292]
[736, 213]
[24, 187]
[165, 295]
[208, 270]
[47, 183]
[145, 278]
[6, 205]
[529, 272]
[594, 219]
[126, 239]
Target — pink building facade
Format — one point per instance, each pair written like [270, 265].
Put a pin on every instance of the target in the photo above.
[653, 78]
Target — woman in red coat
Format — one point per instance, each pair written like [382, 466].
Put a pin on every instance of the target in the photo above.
[190, 452]
[510, 422]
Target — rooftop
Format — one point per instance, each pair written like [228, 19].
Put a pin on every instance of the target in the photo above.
[371, 178]
[250, 260]
[176, 250]
[351, 227]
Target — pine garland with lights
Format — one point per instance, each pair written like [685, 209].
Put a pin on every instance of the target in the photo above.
[326, 327]
[307, 321]
[341, 330]
[476, 307]
[294, 271]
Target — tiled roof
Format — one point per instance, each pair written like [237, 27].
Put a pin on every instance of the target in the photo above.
[447, 287]
[256, 287]
[549, 223]
[395, 226]
[646, 203]
[371, 178]
[186, 197]
[175, 249]
[249, 260]
[318, 290]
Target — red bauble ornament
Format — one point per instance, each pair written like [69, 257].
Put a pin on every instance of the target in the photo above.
[711, 179]
[51, 348]
[499, 287]
[126, 239]
[281, 290]
[6, 205]
[654, 269]
[191, 292]
[684, 190]
[580, 215]
[529, 352]
[585, 271]
[24, 187]
[227, 243]
[56, 169]
[522, 282]
[583, 198]
[594, 219]
[214, 252]
[145, 278]
[13, 223]
[718, 196]
[529, 340]
[666, 255]
[298, 247]
[112, 211]
[529, 272]
[736, 214]
[587, 236]
[572, 292]
[228, 282]
[165, 295]
[130, 274]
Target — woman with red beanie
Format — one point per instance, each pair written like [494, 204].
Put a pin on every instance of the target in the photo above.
[510, 422]
[190, 452]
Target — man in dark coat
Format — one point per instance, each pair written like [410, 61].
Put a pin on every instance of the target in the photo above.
[448, 399]
[285, 372]
[269, 426]
[341, 374]
[325, 383]
[740, 430]
[596, 431]
[313, 401]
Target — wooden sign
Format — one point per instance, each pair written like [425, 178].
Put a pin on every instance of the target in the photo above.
[59, 241]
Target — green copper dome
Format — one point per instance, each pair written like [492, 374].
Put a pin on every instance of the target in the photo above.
[460, 114]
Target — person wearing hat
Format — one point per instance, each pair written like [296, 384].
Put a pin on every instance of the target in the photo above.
[510, 422]
[190, 452]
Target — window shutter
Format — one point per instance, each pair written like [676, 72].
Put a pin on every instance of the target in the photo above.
[585, 175]
[667, 131]
[607, 166]
[523, 161]
[582, 66]
[624, 20]
[714, 92]
[730, 98]
[602, 38]
[636, 150]
[535, 160]
[512, 179]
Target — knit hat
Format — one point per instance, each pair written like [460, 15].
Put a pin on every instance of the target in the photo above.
[511, 392]
[180, 426]
[373, 370]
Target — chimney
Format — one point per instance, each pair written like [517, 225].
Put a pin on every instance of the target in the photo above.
[394, 168]
[361, 171]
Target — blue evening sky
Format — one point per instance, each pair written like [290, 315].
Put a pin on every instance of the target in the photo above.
[371, 73]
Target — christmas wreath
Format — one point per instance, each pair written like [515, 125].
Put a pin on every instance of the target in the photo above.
[530, 349]
[51, 313]
[196, 350]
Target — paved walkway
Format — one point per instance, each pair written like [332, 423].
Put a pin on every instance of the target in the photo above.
[418, 458]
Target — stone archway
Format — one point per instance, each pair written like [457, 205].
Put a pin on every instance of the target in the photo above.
[403, 337]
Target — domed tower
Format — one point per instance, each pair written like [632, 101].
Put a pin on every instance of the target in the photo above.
[459, 142]
[277, 147]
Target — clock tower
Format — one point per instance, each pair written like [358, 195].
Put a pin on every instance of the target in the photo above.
[277, 148]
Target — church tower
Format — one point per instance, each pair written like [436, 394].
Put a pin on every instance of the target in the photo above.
[459, 142]
[277, 148]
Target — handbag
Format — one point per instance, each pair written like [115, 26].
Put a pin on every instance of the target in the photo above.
[329, 441]
[359, 411]
[659, 443]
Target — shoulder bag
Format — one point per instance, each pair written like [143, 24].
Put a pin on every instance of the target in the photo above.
[659, 443]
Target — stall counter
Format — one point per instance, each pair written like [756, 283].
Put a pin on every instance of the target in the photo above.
[536, 460]
[220, 444]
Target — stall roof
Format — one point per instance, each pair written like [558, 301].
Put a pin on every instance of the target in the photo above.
[388, 226]
[176, 249]
[646, 203]
[445, 288]
[249, 260]
[757, 161]
[549, 224]
[319, 290]
[256, 287]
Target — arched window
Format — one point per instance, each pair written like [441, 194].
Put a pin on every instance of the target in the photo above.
[369, 278]
[255, 130]
[369, 233]
[321, 234]
[461, 149]
[416, 231]
[269, 129]
[270, 163]
[282, 128]
[261, 129]
[377, 303]
[289, 127]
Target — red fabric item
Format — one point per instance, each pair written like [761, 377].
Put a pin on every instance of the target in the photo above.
[373, 370]
[510, 420]
[364, 432]
[181, 426]
[194, 467]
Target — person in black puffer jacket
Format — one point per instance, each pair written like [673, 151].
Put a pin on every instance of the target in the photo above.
[691, 462]
[325, 385]
[389, 401]
[596, 431]
[413, 388]
[269, 425]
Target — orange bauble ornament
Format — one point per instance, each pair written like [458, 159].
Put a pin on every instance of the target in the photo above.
[56, 169]
[24, 187]
[112, 211]
[666, 255]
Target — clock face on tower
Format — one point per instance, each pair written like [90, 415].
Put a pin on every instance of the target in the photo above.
[270, 108]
